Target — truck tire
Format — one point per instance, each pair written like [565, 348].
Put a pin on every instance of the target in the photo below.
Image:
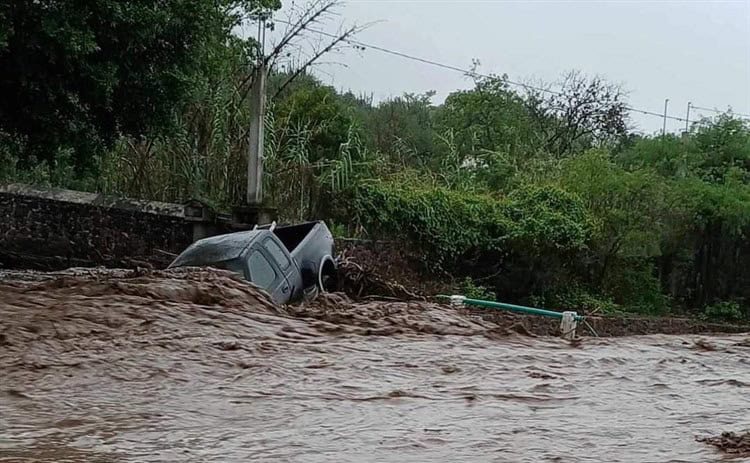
[328, 279]
[328, 283]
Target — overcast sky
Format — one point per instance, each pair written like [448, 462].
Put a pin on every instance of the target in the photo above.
[696, 51]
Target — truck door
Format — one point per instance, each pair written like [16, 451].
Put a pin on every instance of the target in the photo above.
[285, 262]
[264, 272]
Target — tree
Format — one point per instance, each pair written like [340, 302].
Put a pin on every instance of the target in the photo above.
[585, 112]
[78, 73]
[401, 128]
[725, 145]
[320, 111]
[489, 117]
[204, 153]
[714, 150]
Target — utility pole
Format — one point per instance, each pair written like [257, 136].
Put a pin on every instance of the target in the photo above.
[257, 101]
[255, 142]
[687, 117]
[664, 125]
[254, 211]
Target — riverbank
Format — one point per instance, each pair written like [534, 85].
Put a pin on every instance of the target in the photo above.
[385, 269]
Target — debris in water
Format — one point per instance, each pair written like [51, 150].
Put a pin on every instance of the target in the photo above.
[448, 369]
[540, 375]
[17, 394]
[730, 443]
[703, 344]
[521, 329]
[361, 280]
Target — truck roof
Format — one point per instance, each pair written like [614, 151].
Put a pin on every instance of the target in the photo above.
[216, 248]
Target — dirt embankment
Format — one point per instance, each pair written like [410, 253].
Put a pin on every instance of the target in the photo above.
[385, 271]
[610, 325]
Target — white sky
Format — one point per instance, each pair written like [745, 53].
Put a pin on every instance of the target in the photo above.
[696, 51]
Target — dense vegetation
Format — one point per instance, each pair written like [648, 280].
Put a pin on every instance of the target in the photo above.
[537, 197]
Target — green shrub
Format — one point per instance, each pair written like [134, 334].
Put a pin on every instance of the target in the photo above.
[338, 230]
[727, 311]
[634, 286]
[473, 291]
[547, 218]
[445, 224]
[59, 172]
[451, 226]
[581, 300]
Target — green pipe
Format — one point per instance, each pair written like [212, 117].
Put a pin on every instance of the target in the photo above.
[513, 307]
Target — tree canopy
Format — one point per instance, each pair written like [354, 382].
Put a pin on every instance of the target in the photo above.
[79, 73]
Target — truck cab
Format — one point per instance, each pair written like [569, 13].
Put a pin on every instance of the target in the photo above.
[263, 257]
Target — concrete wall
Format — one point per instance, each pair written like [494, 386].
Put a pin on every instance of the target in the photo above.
[50, 229]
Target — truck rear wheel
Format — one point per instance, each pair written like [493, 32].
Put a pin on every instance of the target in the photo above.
[328, 278]
[328, 283]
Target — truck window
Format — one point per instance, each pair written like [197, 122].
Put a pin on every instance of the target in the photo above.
[233, 265]
[261, 271]
[277, 253]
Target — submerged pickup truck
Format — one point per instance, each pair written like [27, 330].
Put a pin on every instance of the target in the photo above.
[289, 262]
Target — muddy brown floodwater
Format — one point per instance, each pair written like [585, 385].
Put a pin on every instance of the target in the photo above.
[196, 366]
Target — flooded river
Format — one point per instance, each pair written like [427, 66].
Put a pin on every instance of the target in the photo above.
[202, 368]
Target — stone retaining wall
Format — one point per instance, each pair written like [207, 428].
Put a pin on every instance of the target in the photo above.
[50, 229]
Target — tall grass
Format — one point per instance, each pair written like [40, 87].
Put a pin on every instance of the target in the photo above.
[205, 158]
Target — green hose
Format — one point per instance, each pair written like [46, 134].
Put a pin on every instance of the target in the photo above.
[513, 307]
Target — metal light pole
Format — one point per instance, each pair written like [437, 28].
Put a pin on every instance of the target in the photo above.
[664, 125]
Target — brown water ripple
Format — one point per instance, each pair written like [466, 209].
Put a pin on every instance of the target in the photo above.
[196, 366]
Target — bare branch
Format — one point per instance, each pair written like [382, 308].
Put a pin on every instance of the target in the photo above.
[585, 108]
[342, 38]
[316, 10]
[296, 43]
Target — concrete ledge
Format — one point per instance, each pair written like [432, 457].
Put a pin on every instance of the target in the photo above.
[94, 199]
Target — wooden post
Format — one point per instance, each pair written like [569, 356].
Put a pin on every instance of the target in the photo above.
[568, 325]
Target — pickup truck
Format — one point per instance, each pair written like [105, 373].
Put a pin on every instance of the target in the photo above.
[289, 262]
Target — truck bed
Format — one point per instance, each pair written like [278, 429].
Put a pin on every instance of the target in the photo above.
[293, 235]
[308, 243]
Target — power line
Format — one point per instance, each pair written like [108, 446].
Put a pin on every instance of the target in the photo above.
[424, 60]
[652, 113]
[469, 72]
[718, 111]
